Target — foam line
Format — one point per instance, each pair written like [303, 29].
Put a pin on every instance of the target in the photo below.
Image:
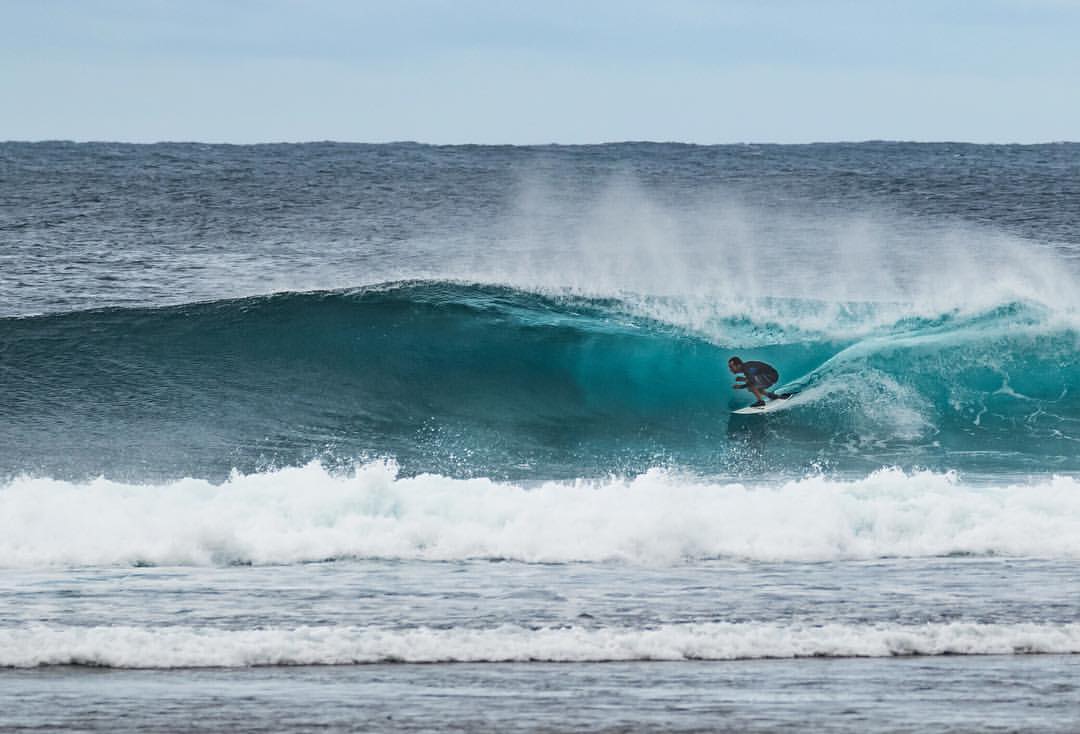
[307, 513]
[187, 647]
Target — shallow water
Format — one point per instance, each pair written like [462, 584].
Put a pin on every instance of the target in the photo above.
[985, 694]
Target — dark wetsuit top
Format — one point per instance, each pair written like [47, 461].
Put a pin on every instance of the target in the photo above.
[759, 374]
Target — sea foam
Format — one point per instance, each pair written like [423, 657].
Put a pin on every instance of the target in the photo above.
[196, 647]
[659, 517]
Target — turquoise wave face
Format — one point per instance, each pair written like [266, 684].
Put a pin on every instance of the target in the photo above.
[477, 380]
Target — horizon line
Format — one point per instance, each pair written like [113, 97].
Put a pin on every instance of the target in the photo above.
[549, 144]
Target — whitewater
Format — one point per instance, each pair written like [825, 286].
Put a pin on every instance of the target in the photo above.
[447, 430]
[305, 514]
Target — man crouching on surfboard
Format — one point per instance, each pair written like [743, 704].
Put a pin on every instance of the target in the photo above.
[757, 377]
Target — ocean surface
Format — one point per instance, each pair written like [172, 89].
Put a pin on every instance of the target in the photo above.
[418, 438]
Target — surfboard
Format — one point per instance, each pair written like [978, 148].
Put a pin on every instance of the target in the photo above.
[770, 407]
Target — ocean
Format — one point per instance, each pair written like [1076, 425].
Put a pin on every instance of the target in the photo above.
[403, 437]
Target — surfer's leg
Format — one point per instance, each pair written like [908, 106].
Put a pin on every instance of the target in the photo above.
[757, 394]
[759, 385]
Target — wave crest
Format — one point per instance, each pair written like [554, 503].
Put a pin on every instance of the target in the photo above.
[467, 379]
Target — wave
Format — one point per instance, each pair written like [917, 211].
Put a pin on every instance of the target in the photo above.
[199, 647]
[467, 379]
[308, 514]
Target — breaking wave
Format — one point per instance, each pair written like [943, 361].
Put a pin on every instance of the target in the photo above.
[308, 513]
[473, 380]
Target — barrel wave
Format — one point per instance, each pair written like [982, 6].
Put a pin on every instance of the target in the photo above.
[481, 380]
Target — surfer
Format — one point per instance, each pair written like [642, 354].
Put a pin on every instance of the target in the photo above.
[757, 377]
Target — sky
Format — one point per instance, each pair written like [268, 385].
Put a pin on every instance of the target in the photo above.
[551, 71]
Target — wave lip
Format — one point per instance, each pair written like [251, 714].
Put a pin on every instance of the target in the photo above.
[307, 513]
[196, 647]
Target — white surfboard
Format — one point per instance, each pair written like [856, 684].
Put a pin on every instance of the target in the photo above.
[770, 406]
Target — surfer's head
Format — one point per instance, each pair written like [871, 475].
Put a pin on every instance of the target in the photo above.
[734, 364]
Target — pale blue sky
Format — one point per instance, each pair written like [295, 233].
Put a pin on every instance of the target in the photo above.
[483, 71]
